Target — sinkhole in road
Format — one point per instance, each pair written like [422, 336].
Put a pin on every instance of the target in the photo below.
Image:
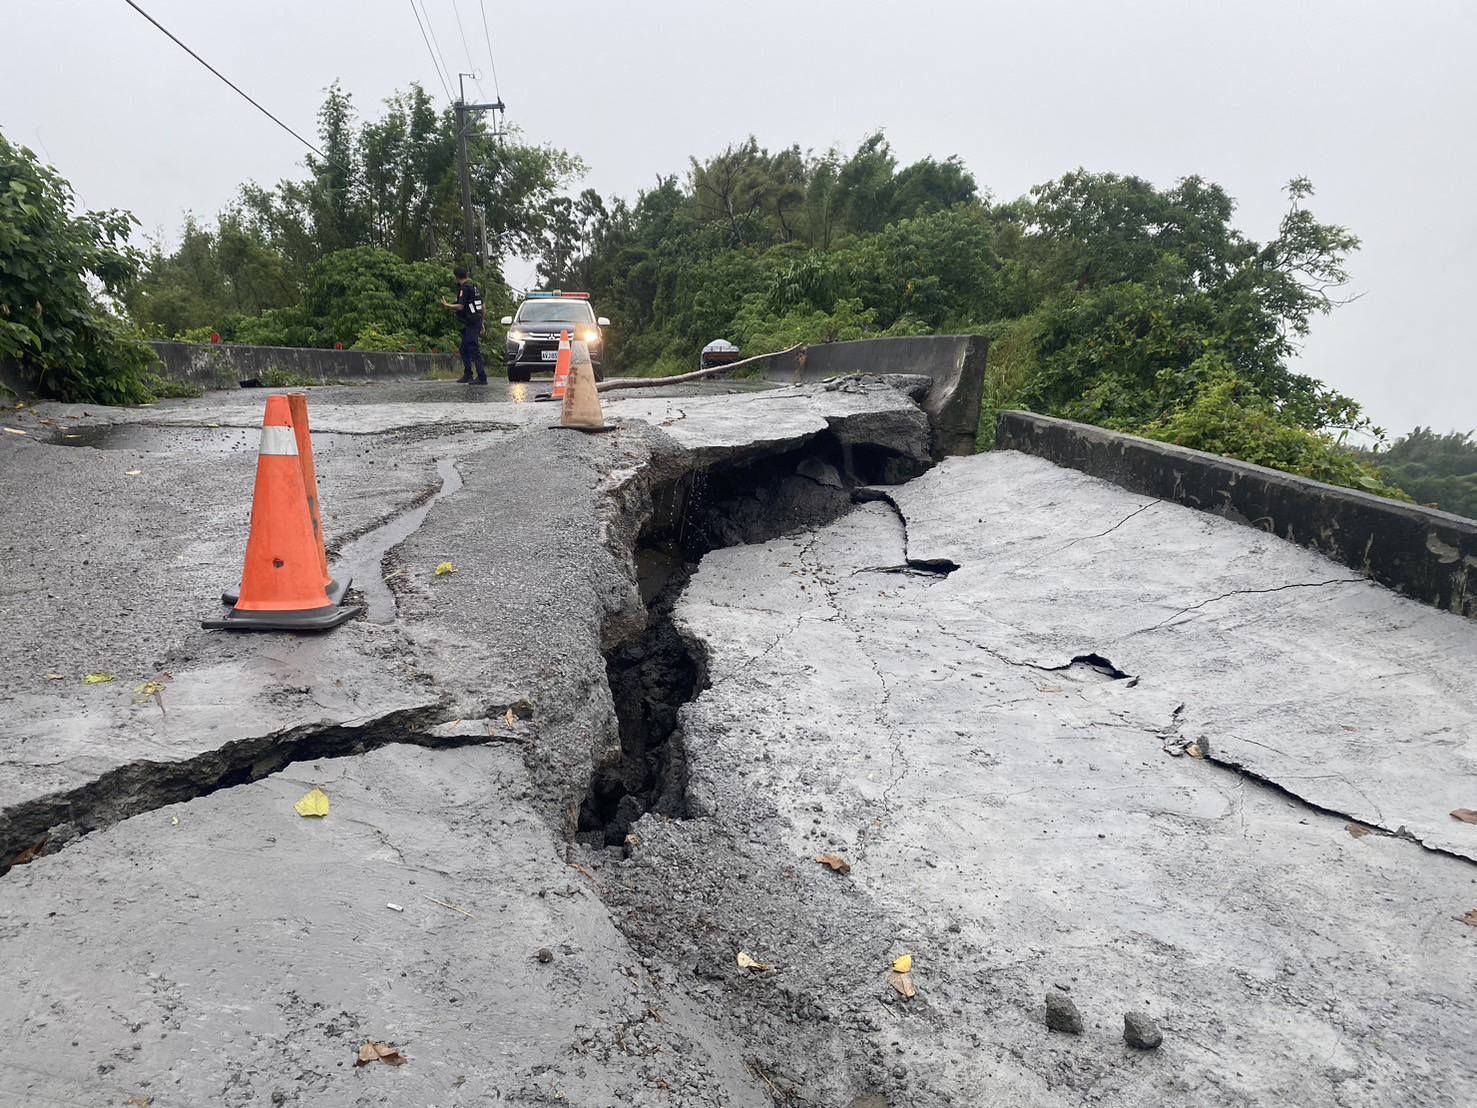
[655, 672]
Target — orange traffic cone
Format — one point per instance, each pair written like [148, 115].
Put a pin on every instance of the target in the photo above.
[282, 586]
[297, 403]
[581, 399]
[561, 368]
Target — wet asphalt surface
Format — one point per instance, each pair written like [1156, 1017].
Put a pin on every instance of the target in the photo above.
[1284, 899]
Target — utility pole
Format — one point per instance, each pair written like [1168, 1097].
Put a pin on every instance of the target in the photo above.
[463, 122]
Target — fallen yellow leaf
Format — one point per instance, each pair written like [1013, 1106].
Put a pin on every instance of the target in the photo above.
[98, 679]
[903, 964]
[444, 568]
[380, 1052]
[314, 804]
[148, 689]
[746, 961]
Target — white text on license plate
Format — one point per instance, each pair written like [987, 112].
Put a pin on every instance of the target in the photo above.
[550, 355]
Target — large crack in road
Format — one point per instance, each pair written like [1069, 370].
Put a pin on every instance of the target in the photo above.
[575, 778]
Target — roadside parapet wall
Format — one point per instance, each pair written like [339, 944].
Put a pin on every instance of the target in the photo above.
[226, 365]
[1428, 555]
[955, 364]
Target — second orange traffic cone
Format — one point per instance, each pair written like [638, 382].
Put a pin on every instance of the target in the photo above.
[561, 368]
[282, 586]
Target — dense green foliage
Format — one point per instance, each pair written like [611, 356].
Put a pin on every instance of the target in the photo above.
[1105, 299]
[359, 252]
[1440, 470]
[58, 272]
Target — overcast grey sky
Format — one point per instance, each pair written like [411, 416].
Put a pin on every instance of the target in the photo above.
[1373, 101]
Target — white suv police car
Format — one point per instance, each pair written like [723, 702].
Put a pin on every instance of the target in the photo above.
[533, 332]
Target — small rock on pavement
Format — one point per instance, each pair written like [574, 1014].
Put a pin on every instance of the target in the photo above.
[544, 954]
[1062, 1014]
[1140, 1031]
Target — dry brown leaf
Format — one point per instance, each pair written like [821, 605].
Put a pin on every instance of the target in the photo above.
[1357, 830]
[139, 1101]
[902, 984]
[1470, 919]
[586, 870]
[1194, 751]
[29, 854]
[1466, 815]
[747, 962]
[836, 862]
[380, 1052]
[510, 719]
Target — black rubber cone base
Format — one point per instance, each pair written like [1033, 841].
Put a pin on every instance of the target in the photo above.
[314, 619]
[336, 592]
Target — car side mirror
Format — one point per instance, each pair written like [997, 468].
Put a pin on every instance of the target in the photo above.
[603, 322]
[507, 320]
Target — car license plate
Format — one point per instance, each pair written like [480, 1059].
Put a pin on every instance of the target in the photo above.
[550, 355]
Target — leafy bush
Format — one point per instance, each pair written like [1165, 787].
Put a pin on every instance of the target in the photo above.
[1227, 416]
[1440, 470]
[60, 271]
[374, 339]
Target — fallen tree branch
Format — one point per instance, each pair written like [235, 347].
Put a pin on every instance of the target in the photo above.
[684, 378]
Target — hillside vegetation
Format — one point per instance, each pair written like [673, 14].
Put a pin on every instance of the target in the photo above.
[1106, 298]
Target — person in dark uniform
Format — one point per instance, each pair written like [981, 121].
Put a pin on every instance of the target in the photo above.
[469, 311]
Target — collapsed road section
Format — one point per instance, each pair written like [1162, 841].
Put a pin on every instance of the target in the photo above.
[712, 723]
[166, 879]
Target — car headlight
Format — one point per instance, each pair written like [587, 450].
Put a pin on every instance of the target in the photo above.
[517, 334]
[590, 336]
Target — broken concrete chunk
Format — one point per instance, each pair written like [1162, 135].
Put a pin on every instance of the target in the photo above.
[1140, 1031]
[822, 473]
[1062, 1014]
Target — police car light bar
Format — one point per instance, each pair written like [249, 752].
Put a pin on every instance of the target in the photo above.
[556, 294]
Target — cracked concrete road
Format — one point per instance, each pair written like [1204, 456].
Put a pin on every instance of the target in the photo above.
[176, 931]
[1019, 821]
[985, 687]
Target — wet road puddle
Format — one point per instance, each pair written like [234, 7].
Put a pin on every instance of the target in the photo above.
[362, 558]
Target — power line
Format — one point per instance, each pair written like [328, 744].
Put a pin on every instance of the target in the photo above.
[439, 76]
[490, 59]
[426, 11]
[234, 87]
[475, 76]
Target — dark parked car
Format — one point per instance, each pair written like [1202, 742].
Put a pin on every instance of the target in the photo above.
[533, 333]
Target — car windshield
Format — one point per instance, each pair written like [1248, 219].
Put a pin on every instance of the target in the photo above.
[550, 311]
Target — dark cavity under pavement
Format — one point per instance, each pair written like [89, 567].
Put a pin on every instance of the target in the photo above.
[653, 675]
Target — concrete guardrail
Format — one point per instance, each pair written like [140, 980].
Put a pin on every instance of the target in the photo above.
[225, 365]
[955, 364]
[1428, 555]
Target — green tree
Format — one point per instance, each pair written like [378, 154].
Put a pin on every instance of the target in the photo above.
[1439, 470]
[388, 184]
[59, 274]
